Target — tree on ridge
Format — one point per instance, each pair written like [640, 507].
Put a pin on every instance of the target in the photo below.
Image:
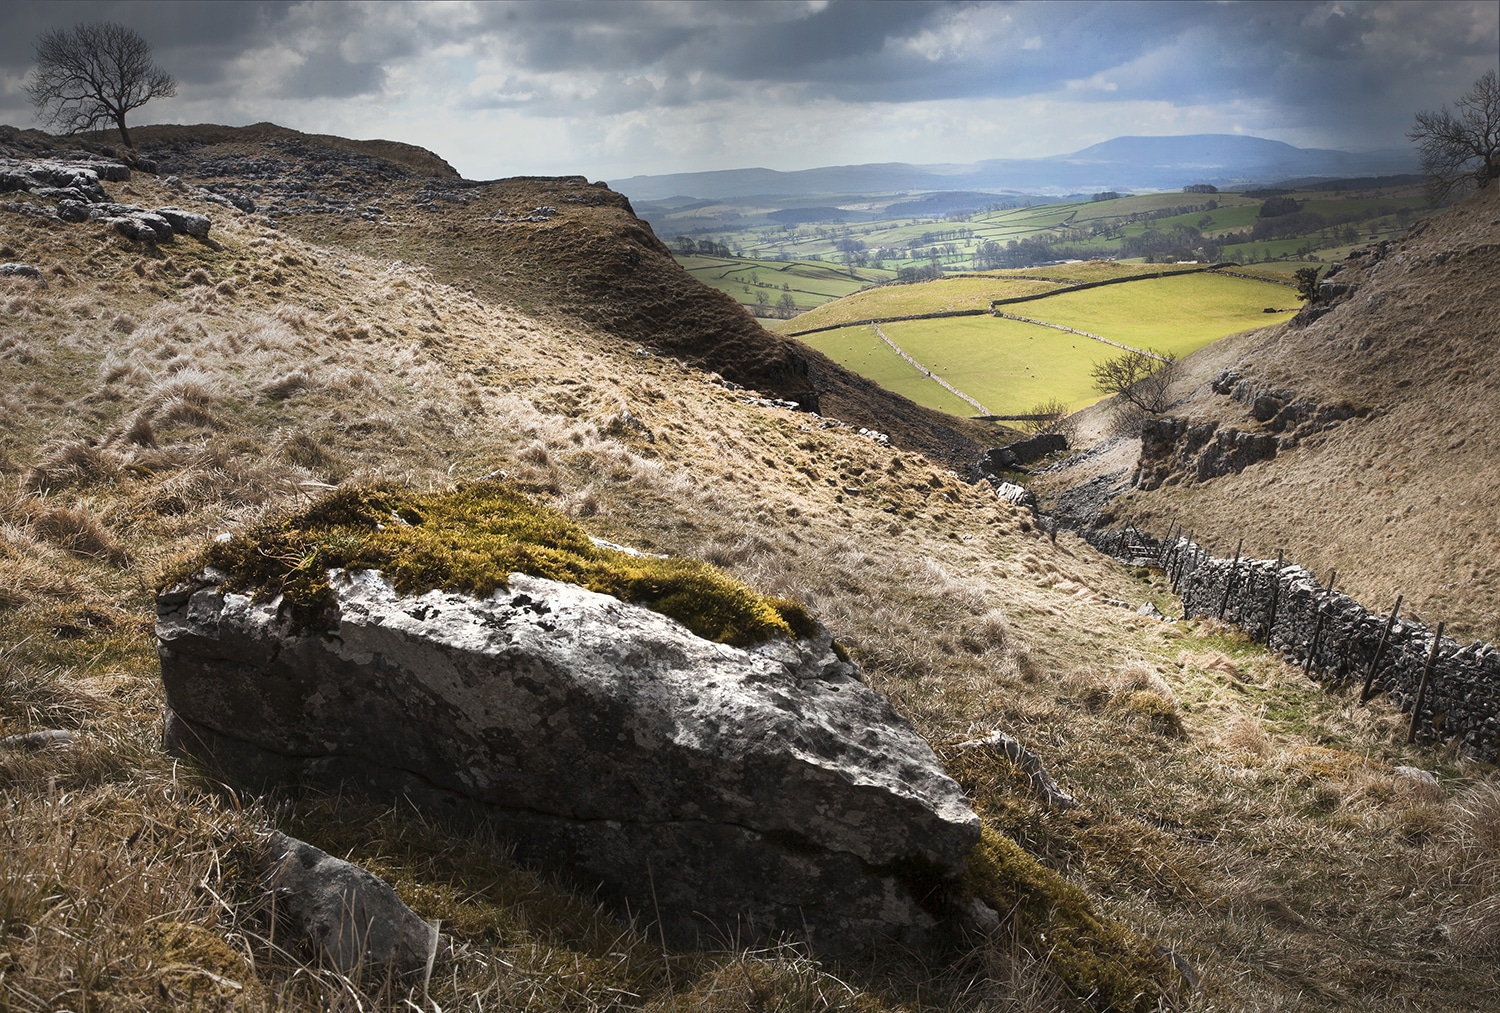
[94, 73]
[1463, 145]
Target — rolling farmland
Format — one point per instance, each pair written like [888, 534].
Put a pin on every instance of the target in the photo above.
[1012, 365]
[755, 249]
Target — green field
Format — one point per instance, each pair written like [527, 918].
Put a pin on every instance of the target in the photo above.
[1007, 366]
[943, 295]
[1178, 315]
[810, 283]
[822, 261]
[860, 350]
[1011, 366]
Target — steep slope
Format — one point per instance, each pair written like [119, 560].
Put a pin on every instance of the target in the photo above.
[1400, 497]
[560, 248]
[159, 394]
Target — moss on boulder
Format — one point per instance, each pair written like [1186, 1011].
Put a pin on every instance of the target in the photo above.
[470, 539]
[1095, 957]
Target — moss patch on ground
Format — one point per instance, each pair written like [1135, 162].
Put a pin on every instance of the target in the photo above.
[470, 539]
[1098, 959]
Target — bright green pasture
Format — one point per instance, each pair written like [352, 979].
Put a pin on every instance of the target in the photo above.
[969, 291]
[859, 349]
[1172, 314]
[1006, 365]
[1011, 366]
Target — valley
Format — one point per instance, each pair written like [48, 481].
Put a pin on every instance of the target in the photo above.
[1267, 832]
[855, 241]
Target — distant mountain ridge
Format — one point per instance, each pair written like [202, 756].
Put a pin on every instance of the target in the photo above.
[1122, 163]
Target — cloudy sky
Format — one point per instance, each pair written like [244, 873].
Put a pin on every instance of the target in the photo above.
[613, 89]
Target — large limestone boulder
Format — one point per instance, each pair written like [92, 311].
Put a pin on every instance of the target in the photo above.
[723, 792]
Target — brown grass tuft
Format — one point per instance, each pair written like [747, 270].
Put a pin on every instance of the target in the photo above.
[18, 350]
[284, 386]
[79, 532]
[1246, 735]
[1150, 710]
[71, 463]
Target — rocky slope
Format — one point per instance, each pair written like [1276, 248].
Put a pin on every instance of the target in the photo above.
[1360, 437]
[554, 247]
[161, 392]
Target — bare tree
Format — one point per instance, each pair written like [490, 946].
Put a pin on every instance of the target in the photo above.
[94, 73]
[1464, 145]
[1138, 380]
[1045, 415]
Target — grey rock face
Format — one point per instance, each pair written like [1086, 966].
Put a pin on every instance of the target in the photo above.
[717, 790]
[1018, 495]
[186, 222]
[1174, 449]
[351, 917]
[23, 271]
[143, 226]
[1022, 452]
[75, 186]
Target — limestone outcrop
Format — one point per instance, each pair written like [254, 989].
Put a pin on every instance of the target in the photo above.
[74, 182]
[723, 792]
[1177, 450]
[352, 918]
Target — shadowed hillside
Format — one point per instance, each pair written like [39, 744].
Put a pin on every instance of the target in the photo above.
[1401, 496]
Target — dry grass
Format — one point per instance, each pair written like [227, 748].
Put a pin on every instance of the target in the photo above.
[1269, 842]
[1400, 502]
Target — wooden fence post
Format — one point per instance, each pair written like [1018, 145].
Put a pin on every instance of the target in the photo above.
[1234, 569]
[1385, 634]
[1313, 647]
[1275, 594]
[1416, 711]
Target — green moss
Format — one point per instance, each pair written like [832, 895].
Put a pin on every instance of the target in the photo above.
[1098, 959]
[471, 539]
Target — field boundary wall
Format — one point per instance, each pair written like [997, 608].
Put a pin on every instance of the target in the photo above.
[1081, 286]
[1335, 638]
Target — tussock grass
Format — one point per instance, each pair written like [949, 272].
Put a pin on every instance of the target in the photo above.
[951, 600]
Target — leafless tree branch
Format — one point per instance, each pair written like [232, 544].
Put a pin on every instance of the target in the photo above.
[94, 73]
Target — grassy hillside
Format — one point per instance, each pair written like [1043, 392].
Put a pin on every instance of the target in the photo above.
[1402, 501]
[156, 397]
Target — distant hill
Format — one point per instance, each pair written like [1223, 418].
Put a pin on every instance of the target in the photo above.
[1119, 164]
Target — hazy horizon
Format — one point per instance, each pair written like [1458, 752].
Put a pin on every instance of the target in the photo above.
[614, 90]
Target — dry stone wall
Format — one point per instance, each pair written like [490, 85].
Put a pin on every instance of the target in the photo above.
[1334, 637]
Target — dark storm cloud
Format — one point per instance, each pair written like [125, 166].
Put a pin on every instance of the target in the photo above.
[1336, 60]
[1313, 71]
[196, 40]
